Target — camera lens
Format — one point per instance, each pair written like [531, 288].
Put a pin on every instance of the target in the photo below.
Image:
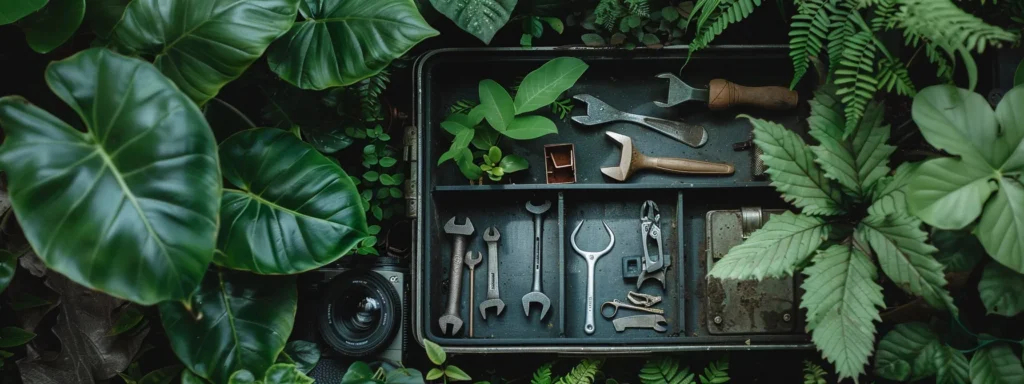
[360, 313]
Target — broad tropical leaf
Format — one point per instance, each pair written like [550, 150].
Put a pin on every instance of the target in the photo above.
[48, 28]
[285, 374]
[543, 86]
[774, 250]
[899, 244]
[11, 11]
[949, 193]
[908, 352]
[890, 193]
[1001, 228]
[665, 370]
[202, 45]
[341, 42]
[858, 163]
[237, 321]
[1001, 290]
[951, 366]
[496, 104]
[842, 301]
[996, 364]
[290, 209]
[481, 18]
[793, 170]
[960, 122]
[129, 206]
[530, 127]
[304, 354]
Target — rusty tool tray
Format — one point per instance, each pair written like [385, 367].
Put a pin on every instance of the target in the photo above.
[625, 80]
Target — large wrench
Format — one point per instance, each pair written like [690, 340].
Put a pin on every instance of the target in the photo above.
[451, 313]
[491, 236]
[591, 258]
[536, 296]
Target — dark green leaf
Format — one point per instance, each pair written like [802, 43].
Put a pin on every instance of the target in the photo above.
[513, 163]
[456, 374]
[543, 85]
[226, 120]
[374, 230]
[144, 173]
[405, 376]
[103, 15]
[305, 355]
[996, 364]
[465, 162]
[202, 45]
[237, 321]
[555, 24]
[242, 376]
[187, 377]
[8, 264]
[285, 374]
[395, 193]
[388, 162]
[11, 11]
[951, 366]
[11, 337]
[377, 212]
[593, 40]
[484, 138]
[652, 41]
[161, 376]
[382, 194]
[366, 194]
[1018, 75]
[670, 13]
[327, 140]
[384, 137]
[434, 374]
[496, 104]
[959, 251]
[481, 18]
[386, 179]
[369, 241]
[908, 351]
[435, 353]
[294, 211]
[48, 28]
[371, 176]
[533, 26]
[24, 300]
[1001, 290]
[341, 42]
[369, 149]
[129, 317]
[530, 127]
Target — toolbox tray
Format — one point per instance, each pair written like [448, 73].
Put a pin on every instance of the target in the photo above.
[625, 80]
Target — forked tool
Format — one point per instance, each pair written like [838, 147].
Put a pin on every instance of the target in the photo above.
[591, 258]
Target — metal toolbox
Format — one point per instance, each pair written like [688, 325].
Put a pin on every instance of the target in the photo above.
[626, 80]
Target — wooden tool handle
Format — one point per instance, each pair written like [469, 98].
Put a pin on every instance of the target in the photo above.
[686, 166]
[725, 94]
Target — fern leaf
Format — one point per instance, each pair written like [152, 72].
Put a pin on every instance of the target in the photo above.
[639, 7]
[793, 170]
[716, 372]
[542, 375]
[783, 242]
[885, 15]
[890, 194]
[608, 12]
[894, 75]
[665, 370]
[727, 14]
[814, 374]
[857, 164]
[842, 301]
[370, 90]
[943, 67]
[841, 28]
[582, 373]
[806, 35]
[899, 244]
[855, 77]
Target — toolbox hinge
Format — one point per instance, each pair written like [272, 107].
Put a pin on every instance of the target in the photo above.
[410, 154]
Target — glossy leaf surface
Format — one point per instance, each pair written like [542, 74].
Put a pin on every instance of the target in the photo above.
[11, 11]
[48, 28]
[543, 86]
[481, 18]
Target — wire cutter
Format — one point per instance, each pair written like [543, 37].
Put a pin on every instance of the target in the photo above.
[650, 229]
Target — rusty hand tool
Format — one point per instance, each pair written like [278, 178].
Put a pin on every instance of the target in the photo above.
[599, 112]
[491, 236]
[536, 295]
[655, 322]
[616, 304]
[650, 229]
[591, 258]
[643, 299]
[723, 94]
[451, 314]
[471, 263]
[632, 160]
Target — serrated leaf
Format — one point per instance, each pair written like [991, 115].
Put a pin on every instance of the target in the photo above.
[890, 194]
[774, 250]
[951, 366]
[858, 163]
[996, 364]
[959, 251]
[456, 374]
[1001, 290]
[907, 352]
[497, 106]
[948, 193]
[543, 85]
[1001, 228]
[434, 352]
[793, 170]
[842, 301]
[899, 244]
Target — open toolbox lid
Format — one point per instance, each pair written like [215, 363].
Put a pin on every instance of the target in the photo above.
[625, 80]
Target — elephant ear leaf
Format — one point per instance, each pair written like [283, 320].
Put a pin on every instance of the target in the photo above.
[203, 44]
[48, 28]
[341, 42]
[237, 321]
[11, 11]
[481, 18]
[291, 209]
[128, 207]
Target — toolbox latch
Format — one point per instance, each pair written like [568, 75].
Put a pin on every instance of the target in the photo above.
[410, 143]
[751, 218]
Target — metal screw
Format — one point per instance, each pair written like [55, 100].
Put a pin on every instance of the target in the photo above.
[718, 320]
[394, 279]
[786, 317]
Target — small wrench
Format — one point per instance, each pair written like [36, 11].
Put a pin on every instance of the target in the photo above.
[451, 313]
[655, 322]
[471, 263]
[599, 112]
[491, 236]
[591, 258]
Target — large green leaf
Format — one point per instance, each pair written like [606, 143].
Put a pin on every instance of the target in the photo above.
[960, 122]
[793, 170]
[949, 193]
[237, 321]
[291, 209]
[1010, 115]
[1001, 290]
[303, 354]
[543, 86]
[128, 207]
[890, 194]
[202, 45]
[11, 11]
[858, 163]
[1001, 228]
[341, 42]
[8, 264]
[481, 18]
[842, 301]
[48, 28]
[907, 352]
[530, 127]
[774, 250]
[496, 104]
[951, 366]
[996, 364]
[899, 244]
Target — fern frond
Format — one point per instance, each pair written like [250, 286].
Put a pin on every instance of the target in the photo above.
[542, 375]
[855, 77]
[608, 13]
[582, 373]
[943, 67]
[665, 370]
[728, 13]
[841, 29]
[369, 90]
[806, 35]
[885, 15]
[892, 75]
[462, 106]
[716, 372]
[639, 7]
[814, 374]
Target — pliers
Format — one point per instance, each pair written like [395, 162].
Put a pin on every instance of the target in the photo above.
[654, 265]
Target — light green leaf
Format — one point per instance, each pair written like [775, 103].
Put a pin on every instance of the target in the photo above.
[11, 337]
[161, 376]
[948, 193]
[996, 364]
[285, 374]
[793, 170]
[371, 176]
[1001, 228]
[129, 317]
[555, 24]
[187, 377]
[305, 355]
[1001, 290]
[388, 162]
[386, 179]
[462, 140]
[144, 173]
[456, 123]
[103, 15]
[1010, 115]
[237, 321]
[454, 373]
[8, 265]
[404, 376]
[494, 155]
[890, 194]
[496, 105]
[11, 11]
[293, 210]
[907, 352]
[543, 86]
[434, 374]
[959, 251]
[480, 18]
[530, 127]
[664, 370]
[774, 250]
[434, 352]
[951, 366]
[341, 42]
[513, 163]
[960, 122]
[901, 248]
[201, 45]
[242, 377]
[48, 28]
[358, 373]
[856, 164]
[842, 301]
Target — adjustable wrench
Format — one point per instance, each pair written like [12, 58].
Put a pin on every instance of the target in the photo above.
[491, 236]
[451, 313]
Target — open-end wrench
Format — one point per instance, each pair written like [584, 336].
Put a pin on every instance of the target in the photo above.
[599, 112]
[536, 295]
[451, 314]
[491, 236]
[471, 263]
[591, 258]
[655, 322]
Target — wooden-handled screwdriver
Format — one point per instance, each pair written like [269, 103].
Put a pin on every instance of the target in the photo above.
[723, 94]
